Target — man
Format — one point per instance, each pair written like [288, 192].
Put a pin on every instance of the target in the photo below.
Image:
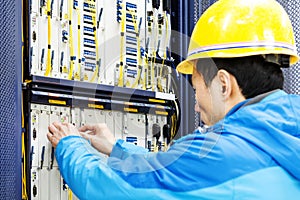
[251, 149]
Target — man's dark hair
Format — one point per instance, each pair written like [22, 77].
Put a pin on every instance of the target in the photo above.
[254, 75]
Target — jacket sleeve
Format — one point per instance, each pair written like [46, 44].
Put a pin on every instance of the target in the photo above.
[123, 149]
[91, 175]
[86, 172]
[191, 163]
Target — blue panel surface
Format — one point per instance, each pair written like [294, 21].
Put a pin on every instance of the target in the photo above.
[10, 99]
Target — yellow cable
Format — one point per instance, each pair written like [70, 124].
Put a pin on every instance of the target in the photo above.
[152, 70]
[97, 54]
[167, 33]
[70, 194]
[120, 82]
[24, 187]
[24, 179]
[77, 75]
[48, 66]
[173, 126]
[70, 4]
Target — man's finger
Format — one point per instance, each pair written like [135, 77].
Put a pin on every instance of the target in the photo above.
[49, 135]
[53, 128]
[57, 125]
[87, 127]
[52, 139]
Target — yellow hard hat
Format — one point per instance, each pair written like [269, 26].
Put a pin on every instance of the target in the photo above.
[239, 28]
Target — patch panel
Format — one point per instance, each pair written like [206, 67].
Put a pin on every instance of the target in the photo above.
[63, 40]
[91, 71]
[45, 176]
[123, 43]
[143, 129]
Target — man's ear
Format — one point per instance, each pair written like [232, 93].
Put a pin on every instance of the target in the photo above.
[225, 83]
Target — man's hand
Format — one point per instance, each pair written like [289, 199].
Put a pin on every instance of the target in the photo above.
[99, 136]
[58, 130]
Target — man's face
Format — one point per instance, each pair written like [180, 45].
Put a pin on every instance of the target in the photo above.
[208, 99]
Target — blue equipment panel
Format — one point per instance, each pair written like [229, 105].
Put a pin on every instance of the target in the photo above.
[10, 99]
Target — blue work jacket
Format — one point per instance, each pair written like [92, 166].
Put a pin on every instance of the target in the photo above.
[253, 153]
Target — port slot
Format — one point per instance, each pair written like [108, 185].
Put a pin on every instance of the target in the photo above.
[90, 58]
[88, 29]
[90, 11]
[132, 140]
[89, 46]
[130, 60]
[130, 6]
[130, 71]
[87, 17]
[89, 53]
[129, 38]
[33, 36]
[88, 41]
[131, 43]
[87, 22]
[130, 65]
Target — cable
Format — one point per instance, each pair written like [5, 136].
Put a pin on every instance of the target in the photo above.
[70, 196]
[175, 119]
[71, 45]
[167, 33]
[78, 73]
[99, 17]
[61, 9]
[24, 186]
[24, 178]
[49, 11]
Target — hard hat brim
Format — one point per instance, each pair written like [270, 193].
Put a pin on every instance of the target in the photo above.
[185, 67]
